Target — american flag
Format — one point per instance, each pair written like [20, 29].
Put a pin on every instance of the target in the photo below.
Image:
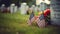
[31, 18]
[41, 21]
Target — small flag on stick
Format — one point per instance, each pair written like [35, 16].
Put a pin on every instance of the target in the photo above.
[31, 19]
[41, 21]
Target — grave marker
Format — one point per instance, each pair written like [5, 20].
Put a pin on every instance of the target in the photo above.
[12, 8]
[55, 12]
[23, 8]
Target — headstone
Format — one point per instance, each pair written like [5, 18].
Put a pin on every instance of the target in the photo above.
[30, 10]
[23, 8]
[19, 9]
[15, 9]
[36, 9]
[7, 10]
[55, 12]
[42, 6]
[27, 7]
[12, 8]
[33, 7]
[2, 7]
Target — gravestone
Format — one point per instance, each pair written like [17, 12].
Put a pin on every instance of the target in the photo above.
[15, 9]
[27, 7]
[30, 10]
[8, 8]
[43, 6]
[2, 7]
[36, 9]
[55, 12]
[23, 8]
[19, 9]
[12, 8]
[33, 7]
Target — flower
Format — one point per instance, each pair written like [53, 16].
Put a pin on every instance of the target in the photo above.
[46, 12]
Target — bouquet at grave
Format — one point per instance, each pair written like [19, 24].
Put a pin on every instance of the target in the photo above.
[40, 19]
[47, 15]
[39, 13]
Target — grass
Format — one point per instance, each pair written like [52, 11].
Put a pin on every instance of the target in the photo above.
[17, 24]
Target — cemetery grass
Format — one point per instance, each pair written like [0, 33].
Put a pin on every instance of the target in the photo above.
[17, 23]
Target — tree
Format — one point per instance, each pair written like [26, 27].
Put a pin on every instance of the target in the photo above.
[29, 2]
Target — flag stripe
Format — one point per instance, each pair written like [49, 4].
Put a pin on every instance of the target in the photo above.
[41, 23]
[31, 18]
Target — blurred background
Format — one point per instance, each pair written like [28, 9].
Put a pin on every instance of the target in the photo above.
[14, 15]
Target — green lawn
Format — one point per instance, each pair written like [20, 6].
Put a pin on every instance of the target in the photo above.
[17, 23]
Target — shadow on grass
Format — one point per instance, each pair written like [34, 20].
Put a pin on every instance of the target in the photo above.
[54, 29]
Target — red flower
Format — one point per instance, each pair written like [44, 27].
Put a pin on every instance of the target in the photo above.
[46, 12]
